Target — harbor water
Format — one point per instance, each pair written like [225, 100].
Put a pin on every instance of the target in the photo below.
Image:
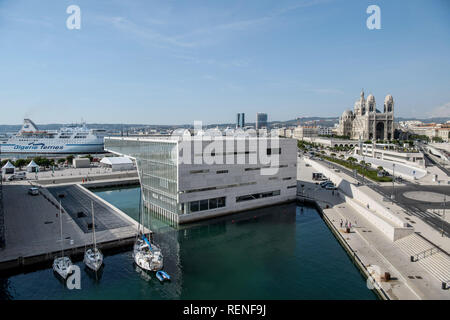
[280, 252]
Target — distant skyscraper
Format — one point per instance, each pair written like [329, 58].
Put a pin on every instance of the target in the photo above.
[261, 120]
[240, 120]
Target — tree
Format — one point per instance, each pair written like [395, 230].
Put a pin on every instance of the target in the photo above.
[19, 163]
[333, 154]
[352, 160]
[43, 162]
[380, 168]
[60, 161]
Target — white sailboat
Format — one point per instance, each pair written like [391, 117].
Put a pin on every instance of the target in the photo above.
[146, 255]
[62, 265]
[93, 258]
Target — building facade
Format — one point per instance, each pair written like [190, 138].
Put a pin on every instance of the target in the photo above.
[215, 182]
[366, 122]
[324, 131]
[240, 120]
[261, 120]
[302, 132]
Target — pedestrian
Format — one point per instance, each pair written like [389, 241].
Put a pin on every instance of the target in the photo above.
[349, 224]
[341, 223]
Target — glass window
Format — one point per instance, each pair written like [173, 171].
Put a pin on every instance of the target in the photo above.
[203, 205]
[194, 206]
[213, 203]
[221, 202]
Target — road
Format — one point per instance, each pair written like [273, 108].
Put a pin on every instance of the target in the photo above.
[410, 208]
[429, 161]
[435, 163]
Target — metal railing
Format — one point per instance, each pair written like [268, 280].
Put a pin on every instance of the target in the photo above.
[424, 254]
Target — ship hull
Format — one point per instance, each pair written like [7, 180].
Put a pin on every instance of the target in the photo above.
[37, 147]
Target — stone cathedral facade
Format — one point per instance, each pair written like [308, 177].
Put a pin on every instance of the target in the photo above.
[366, 122]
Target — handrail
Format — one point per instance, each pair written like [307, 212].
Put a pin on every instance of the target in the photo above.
[425, 253]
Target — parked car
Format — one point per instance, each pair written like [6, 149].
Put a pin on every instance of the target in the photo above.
[323, 183]
[17, 176]
[33, 191]
[327, 185]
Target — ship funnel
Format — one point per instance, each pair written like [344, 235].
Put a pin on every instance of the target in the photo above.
[28, 125]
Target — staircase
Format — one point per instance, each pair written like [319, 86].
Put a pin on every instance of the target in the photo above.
[436, 262]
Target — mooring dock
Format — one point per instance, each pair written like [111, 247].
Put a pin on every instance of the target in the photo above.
[33, 227]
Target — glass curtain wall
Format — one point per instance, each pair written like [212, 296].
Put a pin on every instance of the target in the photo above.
[157, 165]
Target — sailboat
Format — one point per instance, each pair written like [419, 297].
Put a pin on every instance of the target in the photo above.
[93, 258]
[146, 255]
[62, 266]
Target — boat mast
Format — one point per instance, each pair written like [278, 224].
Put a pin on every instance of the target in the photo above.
[60, 228]
[141, 218]
[93, 227]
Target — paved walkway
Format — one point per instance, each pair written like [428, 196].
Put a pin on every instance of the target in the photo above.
[33, 225]
[410, 280]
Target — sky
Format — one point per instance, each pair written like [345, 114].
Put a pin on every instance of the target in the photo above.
[173, 62]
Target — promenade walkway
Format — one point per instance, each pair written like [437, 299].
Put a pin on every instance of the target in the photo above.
[410, 280]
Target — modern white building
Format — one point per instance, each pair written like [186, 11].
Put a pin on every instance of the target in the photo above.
[390, 152]
[185, 179]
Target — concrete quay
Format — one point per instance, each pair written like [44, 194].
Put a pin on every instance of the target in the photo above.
[33, 227]
[372, 250]
[89, 179]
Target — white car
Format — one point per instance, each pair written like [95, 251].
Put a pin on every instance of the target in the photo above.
[17, 176]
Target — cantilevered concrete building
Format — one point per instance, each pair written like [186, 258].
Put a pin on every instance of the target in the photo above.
[191, 178]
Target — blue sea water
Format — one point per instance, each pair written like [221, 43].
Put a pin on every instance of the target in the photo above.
[280, 252]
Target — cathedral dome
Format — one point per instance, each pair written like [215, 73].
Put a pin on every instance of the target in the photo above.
[370, 98]
[388, 98]
[347, 114]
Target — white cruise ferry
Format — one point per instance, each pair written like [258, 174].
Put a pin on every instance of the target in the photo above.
[67, 140]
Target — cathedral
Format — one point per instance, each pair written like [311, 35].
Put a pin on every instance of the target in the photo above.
[366, 122]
